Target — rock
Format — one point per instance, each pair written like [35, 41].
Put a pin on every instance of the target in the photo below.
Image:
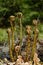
[1, 63]
[19, 60]
[23, 63]
[11, 63]
[5, 60]
[40, 50]
[30, 62]
[26, 63]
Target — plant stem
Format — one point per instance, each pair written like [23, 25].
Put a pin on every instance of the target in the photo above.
[20, 31]
[10, 51]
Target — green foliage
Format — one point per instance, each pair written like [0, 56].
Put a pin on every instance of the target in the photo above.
[41, 28]
[30, 8]
[3, 35]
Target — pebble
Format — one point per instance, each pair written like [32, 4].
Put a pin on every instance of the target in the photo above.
[11, 63]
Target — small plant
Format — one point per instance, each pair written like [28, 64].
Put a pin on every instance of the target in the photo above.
[12, 19]
[11, 37]
[19, 14]
[16, 49]
[36, 31]
[28, 29]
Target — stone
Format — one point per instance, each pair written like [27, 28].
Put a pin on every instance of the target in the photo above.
[19, 60]
[40, 50]
[11, 63]
[26, 63]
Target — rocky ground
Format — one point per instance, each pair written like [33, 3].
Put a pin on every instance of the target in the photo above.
[20, 61]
